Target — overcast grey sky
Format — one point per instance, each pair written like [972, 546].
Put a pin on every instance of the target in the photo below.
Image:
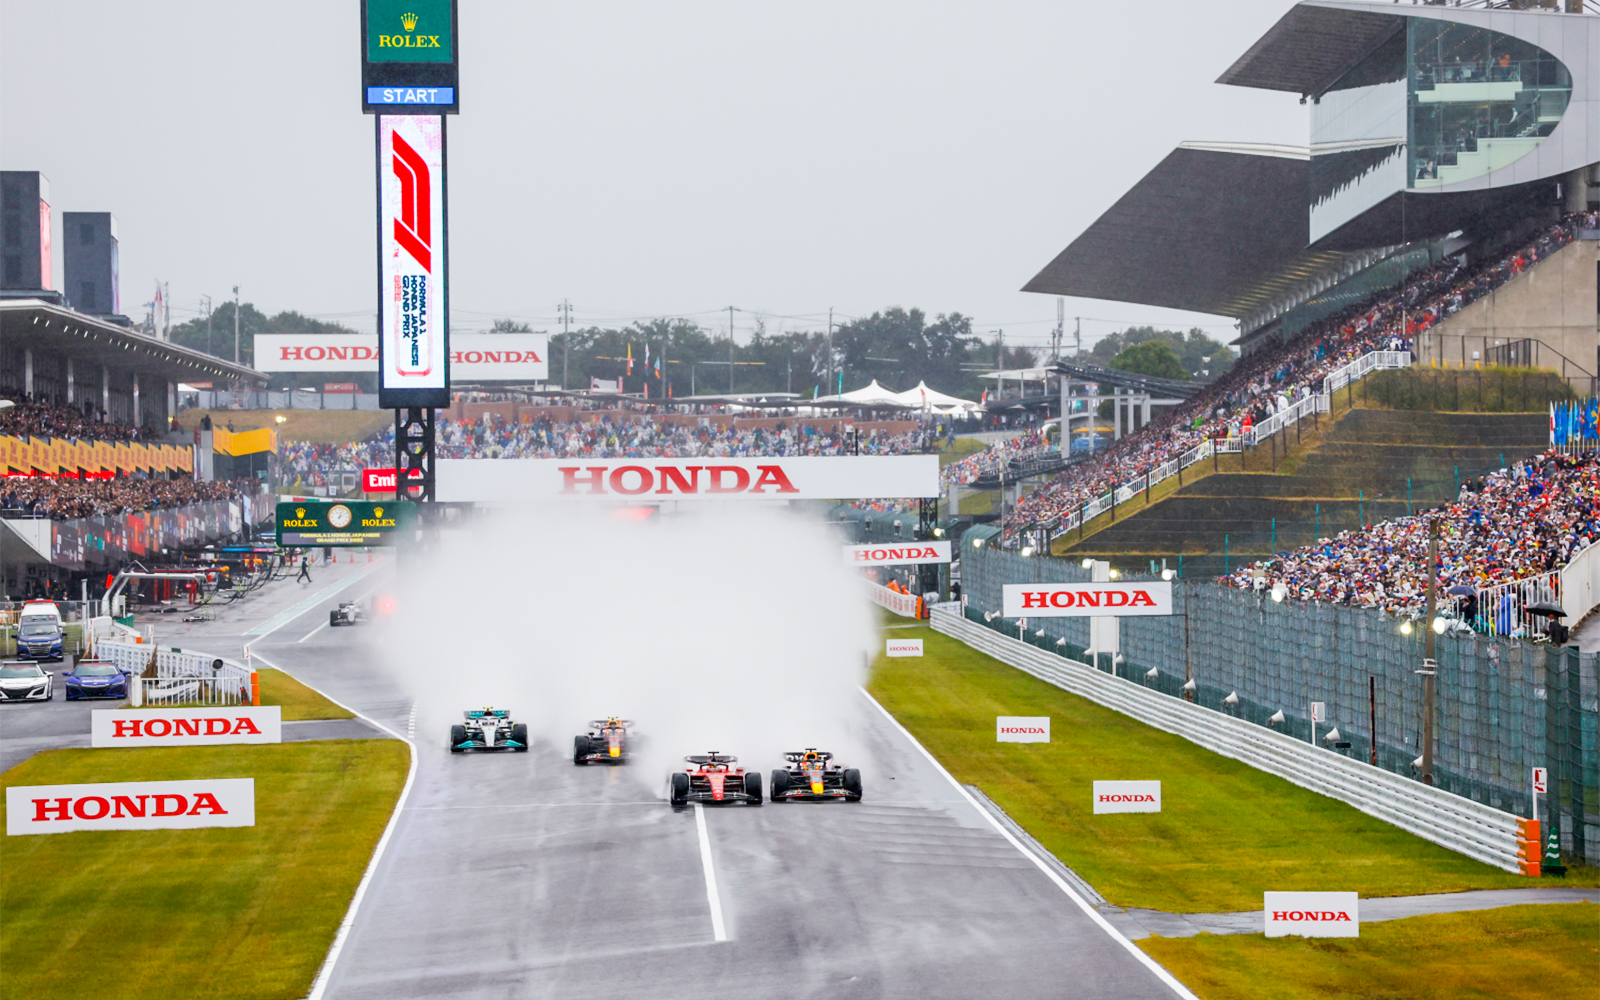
[638, 158]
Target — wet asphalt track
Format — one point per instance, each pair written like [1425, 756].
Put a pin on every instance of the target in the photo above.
[522, 876]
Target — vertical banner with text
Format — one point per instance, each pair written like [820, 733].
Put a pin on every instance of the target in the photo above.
[413, 313]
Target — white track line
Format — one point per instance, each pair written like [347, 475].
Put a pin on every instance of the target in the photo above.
[283, 618]
[1162, 974]
[319, 628]
[719, 931]
[320, 985]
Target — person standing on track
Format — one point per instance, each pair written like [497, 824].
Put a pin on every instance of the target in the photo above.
[305, 570]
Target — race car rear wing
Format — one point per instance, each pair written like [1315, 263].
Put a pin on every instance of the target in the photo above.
[796, 756]
[711, 758]
[498, 713]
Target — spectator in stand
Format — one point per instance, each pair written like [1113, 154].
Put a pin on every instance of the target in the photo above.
[62, 499]
[1518, 522]
[51, 420]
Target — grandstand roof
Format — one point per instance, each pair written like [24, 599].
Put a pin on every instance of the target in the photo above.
[1311, 46]
[1128, 380]
[1215, 227]
[56, 329]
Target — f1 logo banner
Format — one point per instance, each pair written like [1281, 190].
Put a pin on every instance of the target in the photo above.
[130, 805]
[170, 727]
[1127, 797]
[1086, 600]
[413, 313]
[1311, 914]
[1022, 729]
[897, 554]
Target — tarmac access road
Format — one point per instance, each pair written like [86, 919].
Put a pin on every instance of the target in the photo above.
[522, 876]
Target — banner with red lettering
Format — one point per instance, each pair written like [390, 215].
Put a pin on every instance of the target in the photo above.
[185, 727]
[653, 480]
[896, 553]
[130, 805]
[1127, 797]
[1311, 914]
[1086, 600]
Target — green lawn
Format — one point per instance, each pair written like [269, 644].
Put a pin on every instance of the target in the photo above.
[298, 701]
[236, 913]
[1227, 832]
[1514, 953]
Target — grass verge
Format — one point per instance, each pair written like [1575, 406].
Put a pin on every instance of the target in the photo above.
[1532, 952]
[230, 913]
[1226, 833]
[299, 703]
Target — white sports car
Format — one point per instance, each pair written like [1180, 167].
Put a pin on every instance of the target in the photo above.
[26, 682]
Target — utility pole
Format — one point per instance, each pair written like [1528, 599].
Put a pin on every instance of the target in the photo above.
[830, 352]
[205, 303]
[566, 338]
[235, 324]
[1077, 336]
[1430, 666]
[1056, 334]
[730, 350]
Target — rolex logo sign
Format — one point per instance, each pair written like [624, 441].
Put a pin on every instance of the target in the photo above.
[408, 21]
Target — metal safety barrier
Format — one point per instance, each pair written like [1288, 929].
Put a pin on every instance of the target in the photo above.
[908, 605]
[178, 675]
[1451, 821]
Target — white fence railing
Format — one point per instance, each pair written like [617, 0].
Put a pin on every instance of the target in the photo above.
[1287, 417]
[1460, 824]
[907, 605]
[1580, 584]
[179, 675]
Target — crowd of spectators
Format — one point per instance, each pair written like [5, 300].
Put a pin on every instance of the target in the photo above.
[1518, 522]
[1264, 382]
[62, 499]
[56, 421]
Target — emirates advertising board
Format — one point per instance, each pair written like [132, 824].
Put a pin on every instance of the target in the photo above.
[474, 357]
[897, 554]
[1311, 914]
[413, 339]
[130, 805]
[1086, 600]
[185, 727]
[656, 480]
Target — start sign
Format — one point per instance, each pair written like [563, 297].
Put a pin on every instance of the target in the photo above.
[308, 523]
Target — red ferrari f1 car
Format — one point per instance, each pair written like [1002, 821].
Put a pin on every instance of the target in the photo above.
[712, 777]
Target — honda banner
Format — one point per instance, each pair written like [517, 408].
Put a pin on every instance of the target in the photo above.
[185, 727]
[1086, 600]
[1127, 796]
[1311, 914]
[474, 357]
[1022, 729]
[897, 554]
[642, 480]
[412, 312]
[903, 647]
[130, 805]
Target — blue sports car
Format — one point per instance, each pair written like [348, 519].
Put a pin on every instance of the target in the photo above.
[91, 679]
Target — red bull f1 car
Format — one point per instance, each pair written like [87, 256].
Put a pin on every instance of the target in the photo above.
[812, 774]
[713, 777]
[606, 743]
[488, 729]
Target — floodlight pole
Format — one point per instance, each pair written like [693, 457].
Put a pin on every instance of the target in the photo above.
[1430, 666]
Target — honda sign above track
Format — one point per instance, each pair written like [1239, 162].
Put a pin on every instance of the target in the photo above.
[412, 313]
[645, 480]
[1086, 600]
[897, 554]
[474, 357]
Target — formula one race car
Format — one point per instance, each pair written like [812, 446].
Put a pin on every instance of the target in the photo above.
[489, 729]
[812, 774]
[607, 743]
[712, 777]
[347, 613]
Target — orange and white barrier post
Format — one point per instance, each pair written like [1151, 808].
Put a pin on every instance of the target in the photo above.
[255, 687]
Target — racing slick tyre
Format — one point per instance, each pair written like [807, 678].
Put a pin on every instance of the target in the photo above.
[680, 788]
[519, 732]
[458, 736]
[333, 619]
[852, 784]
[780, 784]
[752, 787]
[581, 746]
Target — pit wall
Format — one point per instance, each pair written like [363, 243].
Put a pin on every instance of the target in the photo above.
[1504, 706]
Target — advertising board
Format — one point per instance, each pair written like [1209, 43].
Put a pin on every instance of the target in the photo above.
[382, 480]
[1022, 729]
[897, 554]
[474, 357]
[130, 805]
[413, 335]
[525, 480]
[903, 647]
[408, 55]
[1311, 914]
[1127, 797]
[1087, 600]
[310, 523]
[185, 727]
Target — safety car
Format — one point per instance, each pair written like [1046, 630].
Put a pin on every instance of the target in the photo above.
[347, 613]
[713, 777]
[488, 729]
[607, 742]
[26, 682]
[812, 774]
[95, 679]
